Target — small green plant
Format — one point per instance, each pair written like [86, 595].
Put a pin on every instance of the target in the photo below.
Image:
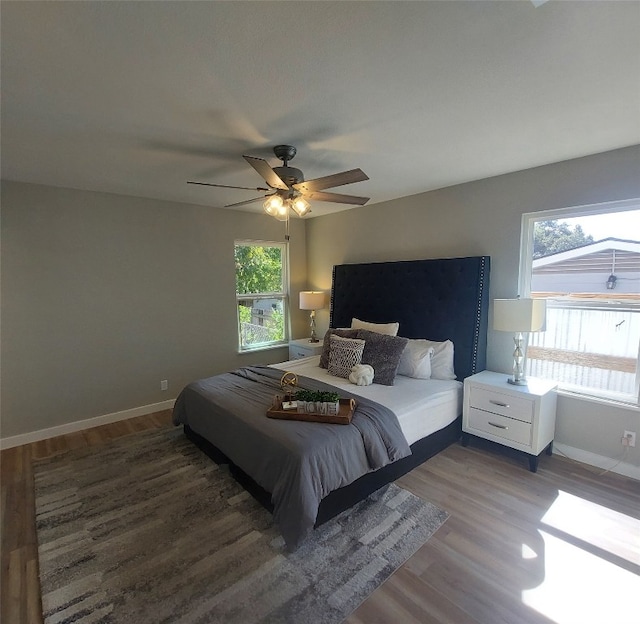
[317, 396]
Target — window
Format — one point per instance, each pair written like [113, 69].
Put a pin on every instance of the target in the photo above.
[586, 263]
[261, 293]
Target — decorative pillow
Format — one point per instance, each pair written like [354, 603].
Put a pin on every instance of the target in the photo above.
[383, 353]
[345, 353]
[361, 375]
[326, 345]
[416, 360]
[442, 359]
[390, 329]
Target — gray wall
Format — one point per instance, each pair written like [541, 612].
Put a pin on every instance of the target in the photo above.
[105, 295]
[484, 217]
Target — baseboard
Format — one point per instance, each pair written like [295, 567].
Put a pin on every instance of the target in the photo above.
[81, 425]
[600, 461]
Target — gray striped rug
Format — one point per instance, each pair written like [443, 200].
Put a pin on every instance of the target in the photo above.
[147, 529]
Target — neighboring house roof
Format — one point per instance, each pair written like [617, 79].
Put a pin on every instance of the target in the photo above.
[610, 255]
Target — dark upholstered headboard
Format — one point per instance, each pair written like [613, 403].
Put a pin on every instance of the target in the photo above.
[441, 299]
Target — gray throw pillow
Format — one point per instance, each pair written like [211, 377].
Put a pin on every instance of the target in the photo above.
[383, 353]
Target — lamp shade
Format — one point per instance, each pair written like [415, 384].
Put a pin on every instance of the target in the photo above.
[311, 300]
[519, 315]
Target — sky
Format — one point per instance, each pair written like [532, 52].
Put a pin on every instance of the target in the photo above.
[625, 225]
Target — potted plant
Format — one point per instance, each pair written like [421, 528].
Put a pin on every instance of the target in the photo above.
[318, 402]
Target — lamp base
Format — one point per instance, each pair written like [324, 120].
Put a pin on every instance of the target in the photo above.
[518, 378]
[517, 382]
[312, 324]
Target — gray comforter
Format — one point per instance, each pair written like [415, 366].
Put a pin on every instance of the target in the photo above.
[298, 462]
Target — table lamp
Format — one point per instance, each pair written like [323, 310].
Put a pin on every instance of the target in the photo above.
[517, 316]
[312, 300]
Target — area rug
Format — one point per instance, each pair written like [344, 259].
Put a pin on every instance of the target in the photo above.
[147, 529]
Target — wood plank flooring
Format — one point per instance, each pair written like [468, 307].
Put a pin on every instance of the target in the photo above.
[560, 546]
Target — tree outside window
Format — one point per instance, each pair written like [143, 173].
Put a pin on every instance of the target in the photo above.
[554, 236]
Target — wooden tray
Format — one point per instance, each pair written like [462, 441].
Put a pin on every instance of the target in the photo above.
[343, 417]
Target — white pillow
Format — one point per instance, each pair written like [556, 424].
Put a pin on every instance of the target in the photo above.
[415, 360]
[442, 358]
[345, 353]
[389, 329]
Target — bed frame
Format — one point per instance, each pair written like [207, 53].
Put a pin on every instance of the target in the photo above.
[441, 299]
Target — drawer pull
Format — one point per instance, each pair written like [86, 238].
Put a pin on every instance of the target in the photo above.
[498, 426]
[499, 404]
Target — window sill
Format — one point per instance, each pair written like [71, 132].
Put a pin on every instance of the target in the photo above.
[600, 400]
[280, 345]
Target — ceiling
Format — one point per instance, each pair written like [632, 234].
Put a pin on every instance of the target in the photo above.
[137, 98]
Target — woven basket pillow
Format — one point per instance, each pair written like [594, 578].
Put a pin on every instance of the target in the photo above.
[345, 353]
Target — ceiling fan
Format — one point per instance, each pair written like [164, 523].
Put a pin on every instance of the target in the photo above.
[288, 190]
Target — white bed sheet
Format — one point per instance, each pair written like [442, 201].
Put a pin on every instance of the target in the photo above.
[423, 406]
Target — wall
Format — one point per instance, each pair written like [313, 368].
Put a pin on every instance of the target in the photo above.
[103, 296]
[484, 217]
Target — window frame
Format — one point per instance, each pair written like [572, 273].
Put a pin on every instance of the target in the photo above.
[281, 295]
[525, 275]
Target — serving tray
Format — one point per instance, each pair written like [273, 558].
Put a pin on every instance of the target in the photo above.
[343, 417]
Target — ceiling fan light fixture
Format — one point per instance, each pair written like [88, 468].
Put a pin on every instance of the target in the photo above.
[273, 205]
[300, 206]
[282, 213]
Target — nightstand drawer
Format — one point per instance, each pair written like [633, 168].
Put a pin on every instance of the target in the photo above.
[503, 404]
[501, 426]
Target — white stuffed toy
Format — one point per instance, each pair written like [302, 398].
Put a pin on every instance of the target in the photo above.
[361, 375]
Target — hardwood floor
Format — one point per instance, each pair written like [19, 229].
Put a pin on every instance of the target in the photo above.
[559, 546]
[19, 585]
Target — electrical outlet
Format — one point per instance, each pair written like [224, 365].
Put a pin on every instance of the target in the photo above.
[164, 385]
[629, 438]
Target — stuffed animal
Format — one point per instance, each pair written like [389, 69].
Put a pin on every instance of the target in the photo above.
[361, 375]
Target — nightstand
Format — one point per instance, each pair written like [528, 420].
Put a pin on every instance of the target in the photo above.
[520, 417]
[302, 348]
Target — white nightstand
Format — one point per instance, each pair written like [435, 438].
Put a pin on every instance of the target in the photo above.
[302, 348]
[520, 417]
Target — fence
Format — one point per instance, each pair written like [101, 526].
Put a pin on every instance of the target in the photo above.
[252, 334]
[587, 348]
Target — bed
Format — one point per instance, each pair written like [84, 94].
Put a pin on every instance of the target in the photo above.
[436, 299]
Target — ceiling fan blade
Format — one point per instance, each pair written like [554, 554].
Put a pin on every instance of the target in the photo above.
[248, 201]
[244, 188]
[337, 198]
[269, 175]
[330, 181]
